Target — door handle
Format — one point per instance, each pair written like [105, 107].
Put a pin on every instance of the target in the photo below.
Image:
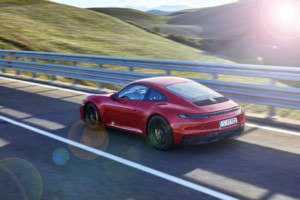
[161, 104]
[132, 109]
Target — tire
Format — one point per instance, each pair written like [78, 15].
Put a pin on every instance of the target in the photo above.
[159, 133]
[92, 116]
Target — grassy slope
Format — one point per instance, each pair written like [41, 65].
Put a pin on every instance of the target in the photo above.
[47, 26]
[150, 21]
[127, 14]
[214, 23]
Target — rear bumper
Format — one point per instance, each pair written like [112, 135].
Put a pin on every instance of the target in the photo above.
[212, 137]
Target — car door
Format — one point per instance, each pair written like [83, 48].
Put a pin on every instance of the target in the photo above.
[125, 111]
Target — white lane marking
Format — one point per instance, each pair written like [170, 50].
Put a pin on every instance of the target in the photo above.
[75, 91]
[124, 161]
[273, 129]
[44, 85]
[228, 184]
[14, 113]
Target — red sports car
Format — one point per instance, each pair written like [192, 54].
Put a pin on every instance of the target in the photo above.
[167, 111]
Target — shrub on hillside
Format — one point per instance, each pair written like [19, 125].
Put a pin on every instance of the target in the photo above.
[197, 43]
[157, 29]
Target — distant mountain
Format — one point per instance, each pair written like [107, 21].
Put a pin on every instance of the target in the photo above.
[158, 12]
[140, 8]
[172, 8]
[165, 8]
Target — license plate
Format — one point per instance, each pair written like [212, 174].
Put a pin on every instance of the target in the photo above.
[228, 122]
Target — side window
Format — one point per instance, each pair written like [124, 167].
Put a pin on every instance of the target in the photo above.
[134, 92]
[156, 96]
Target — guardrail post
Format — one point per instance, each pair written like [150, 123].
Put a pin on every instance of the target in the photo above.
[33, 75]
[100, 85]
[53, 77]
[3, 69]
[272, 111]
[74, 81]
[17, 71]
[213, 76]
[167, 72]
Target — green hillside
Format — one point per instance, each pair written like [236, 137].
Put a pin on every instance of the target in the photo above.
[127, 14]
[46, 26]
[151, 21]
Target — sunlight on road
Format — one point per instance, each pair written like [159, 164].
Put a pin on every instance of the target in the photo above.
[14, 113]
[231, 185]
[3, 142]
[26, 117]
[50, 125]
[273, 139]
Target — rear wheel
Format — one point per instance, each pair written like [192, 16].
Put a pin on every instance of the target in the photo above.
[92, 116]
[159, 133]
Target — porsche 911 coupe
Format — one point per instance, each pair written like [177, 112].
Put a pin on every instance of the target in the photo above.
[166, 110]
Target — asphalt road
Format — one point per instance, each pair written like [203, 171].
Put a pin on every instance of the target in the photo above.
[263, 164]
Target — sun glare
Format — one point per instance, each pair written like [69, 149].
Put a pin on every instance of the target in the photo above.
[286, 13]
[281, 18]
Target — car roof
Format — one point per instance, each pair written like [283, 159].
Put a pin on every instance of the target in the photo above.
[161, 81]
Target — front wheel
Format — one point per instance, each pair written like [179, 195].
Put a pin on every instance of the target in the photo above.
[159, 133]
[92, 116]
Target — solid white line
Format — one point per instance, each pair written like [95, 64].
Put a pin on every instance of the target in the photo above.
[124, 161]
[44, 85]
[273, 129]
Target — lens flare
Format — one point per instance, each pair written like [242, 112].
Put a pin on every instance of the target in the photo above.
[19, 179]
[60, 156]
[259, 58]
[81, 133]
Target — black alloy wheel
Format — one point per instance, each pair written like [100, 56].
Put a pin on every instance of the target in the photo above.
[159, 133]
[92, 116]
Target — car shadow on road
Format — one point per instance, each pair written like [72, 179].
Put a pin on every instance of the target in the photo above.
[245, 170]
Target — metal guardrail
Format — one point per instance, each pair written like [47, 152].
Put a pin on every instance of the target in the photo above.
[271, 95]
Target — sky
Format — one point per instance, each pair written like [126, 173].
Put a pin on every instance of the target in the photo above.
[142, 3]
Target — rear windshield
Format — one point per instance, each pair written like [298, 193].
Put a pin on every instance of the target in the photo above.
[196, 93]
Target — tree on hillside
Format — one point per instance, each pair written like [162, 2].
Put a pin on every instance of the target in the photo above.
[157, 29]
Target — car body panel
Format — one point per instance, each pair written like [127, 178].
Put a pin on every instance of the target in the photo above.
[122, 113]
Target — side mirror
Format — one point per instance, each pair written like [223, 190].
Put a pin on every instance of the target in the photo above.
[113, 96]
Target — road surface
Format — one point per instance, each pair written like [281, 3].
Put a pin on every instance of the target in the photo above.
[262, 164]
